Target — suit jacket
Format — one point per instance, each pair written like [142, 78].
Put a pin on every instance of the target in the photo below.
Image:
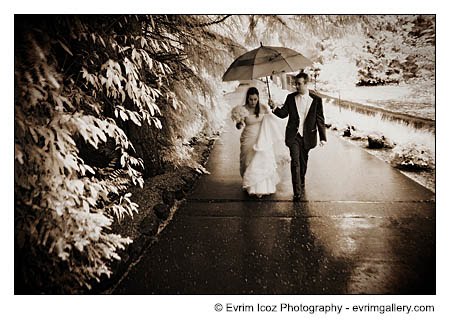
[314, 121]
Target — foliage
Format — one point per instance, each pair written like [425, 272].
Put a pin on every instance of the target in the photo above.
[196, 44]
[83, 85]
[398, 48]
[413, 157]
[299, 32]
[352, 49]
[364, 50]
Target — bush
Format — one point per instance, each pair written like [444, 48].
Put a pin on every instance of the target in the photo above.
[378, 141]
[413, 157]
[397, 49]
[83, 86]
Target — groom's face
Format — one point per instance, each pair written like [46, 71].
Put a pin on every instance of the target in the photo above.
[301, 85]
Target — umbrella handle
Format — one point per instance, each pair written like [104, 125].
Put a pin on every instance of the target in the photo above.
[268, 89]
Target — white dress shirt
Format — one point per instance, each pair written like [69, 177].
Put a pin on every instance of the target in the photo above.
[302, 108]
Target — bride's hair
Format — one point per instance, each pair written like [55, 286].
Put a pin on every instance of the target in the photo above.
[253, 91]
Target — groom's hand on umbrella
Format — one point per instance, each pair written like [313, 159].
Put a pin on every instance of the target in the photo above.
[271, 103]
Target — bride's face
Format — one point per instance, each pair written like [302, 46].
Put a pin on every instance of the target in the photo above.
[252, 100]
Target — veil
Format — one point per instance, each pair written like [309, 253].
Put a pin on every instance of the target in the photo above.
[272, 130]
[271, 153]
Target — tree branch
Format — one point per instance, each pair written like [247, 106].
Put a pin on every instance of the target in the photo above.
[212, 22]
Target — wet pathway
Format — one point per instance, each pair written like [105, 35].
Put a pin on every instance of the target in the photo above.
[362, 228]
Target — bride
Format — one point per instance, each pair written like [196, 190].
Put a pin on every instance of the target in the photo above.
[262, 145]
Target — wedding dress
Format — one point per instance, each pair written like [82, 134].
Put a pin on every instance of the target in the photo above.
[262, 152]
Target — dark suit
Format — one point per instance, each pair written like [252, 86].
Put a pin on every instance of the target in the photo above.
[299, 146]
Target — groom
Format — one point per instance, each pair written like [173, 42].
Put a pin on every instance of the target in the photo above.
[305, 113]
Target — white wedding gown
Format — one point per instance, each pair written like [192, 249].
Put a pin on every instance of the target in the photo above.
[262, 152]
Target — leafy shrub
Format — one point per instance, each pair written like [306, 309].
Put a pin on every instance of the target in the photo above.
[397, 49]
[83, 86]
[413, 157]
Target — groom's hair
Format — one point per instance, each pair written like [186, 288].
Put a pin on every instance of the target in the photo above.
[303, 75]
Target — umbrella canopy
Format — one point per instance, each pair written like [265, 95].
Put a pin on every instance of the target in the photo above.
[265, 61]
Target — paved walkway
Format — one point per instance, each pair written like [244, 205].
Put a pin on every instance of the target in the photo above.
[362, 228]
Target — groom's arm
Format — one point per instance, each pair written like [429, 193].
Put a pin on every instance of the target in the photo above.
[320, 120]
[281, 112]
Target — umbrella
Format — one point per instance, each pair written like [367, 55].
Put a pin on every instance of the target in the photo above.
[265, 61]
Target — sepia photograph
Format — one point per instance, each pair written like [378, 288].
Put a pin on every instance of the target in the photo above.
[227, 155]
[224, 154]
